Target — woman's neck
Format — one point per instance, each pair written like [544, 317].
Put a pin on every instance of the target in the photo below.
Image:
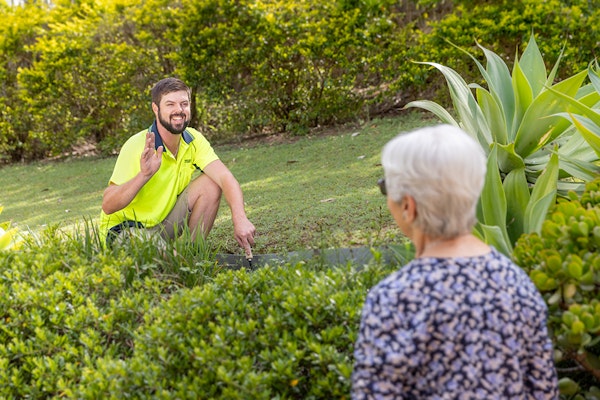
[465, 245]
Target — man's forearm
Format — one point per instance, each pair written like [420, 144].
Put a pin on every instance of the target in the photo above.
[235, 199]
[117, 197]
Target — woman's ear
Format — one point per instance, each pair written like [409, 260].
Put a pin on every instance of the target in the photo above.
[409, 208]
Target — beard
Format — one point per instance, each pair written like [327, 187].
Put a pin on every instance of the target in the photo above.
[176, 128]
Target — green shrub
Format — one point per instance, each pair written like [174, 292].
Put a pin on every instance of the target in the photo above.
[564, 263]
[283, 332]
[66, 305]
[75, 73]
[163, 321]
[286, 66]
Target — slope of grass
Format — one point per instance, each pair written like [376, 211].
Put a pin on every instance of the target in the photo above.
[313, 192]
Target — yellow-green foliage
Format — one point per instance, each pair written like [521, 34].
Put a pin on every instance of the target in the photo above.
[288, 65]
[564, 263]
[8, 236]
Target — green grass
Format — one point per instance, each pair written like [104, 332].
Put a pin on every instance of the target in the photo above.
[314, 192]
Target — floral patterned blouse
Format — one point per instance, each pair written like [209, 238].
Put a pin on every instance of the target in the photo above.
[455, 328]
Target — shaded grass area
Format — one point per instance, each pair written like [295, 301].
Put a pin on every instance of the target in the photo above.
[312, 192]
[49, 193]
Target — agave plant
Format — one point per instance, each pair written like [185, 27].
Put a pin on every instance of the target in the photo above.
[534, 152]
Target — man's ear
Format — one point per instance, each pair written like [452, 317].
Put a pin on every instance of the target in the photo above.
[154, 108]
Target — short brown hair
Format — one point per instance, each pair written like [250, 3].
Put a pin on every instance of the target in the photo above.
[165, 86]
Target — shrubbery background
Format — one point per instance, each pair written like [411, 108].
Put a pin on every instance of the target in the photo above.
[78, 72]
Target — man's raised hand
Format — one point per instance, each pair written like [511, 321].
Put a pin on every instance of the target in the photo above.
[151, 158]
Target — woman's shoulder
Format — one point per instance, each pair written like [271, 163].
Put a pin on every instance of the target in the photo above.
[434, 272]
[414, 274]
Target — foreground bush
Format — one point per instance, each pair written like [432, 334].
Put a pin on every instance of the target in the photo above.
[564, 263]
[274, 333]
[79, 322]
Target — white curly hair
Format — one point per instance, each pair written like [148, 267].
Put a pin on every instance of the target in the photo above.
[443, 169]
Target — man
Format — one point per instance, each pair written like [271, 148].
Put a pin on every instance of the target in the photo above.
[151, 186]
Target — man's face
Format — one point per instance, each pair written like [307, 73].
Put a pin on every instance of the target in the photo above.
[173, 112]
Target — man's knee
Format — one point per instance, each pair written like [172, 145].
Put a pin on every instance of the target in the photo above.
[204, 190]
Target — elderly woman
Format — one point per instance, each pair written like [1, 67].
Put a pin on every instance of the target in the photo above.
[460, 321]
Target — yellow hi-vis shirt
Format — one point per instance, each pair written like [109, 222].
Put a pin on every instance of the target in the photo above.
[158, 196]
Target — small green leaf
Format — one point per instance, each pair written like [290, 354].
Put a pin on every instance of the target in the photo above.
[569, 290]
[567, 386]
[568, 318]
[575, 270]
[578, 327]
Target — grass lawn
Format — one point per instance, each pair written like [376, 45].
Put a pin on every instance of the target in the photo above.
[316, 191]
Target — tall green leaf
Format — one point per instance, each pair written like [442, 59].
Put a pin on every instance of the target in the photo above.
[533, 66]
[516, 188]
[576, 105]
[589, 130]
[577, 157]
[508, 159]
[543, 196]
[493, 199]
[434, 108]
[523, 97]
[470, 115]
[497, 76]
[536, 129]
[493, 114]
[594, 76]
[494, 236]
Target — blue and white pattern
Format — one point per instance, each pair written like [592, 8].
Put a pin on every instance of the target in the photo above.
[455, 328]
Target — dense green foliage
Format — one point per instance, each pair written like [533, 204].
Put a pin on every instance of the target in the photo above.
[564, 263]
[78, 322]
[79, 72]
